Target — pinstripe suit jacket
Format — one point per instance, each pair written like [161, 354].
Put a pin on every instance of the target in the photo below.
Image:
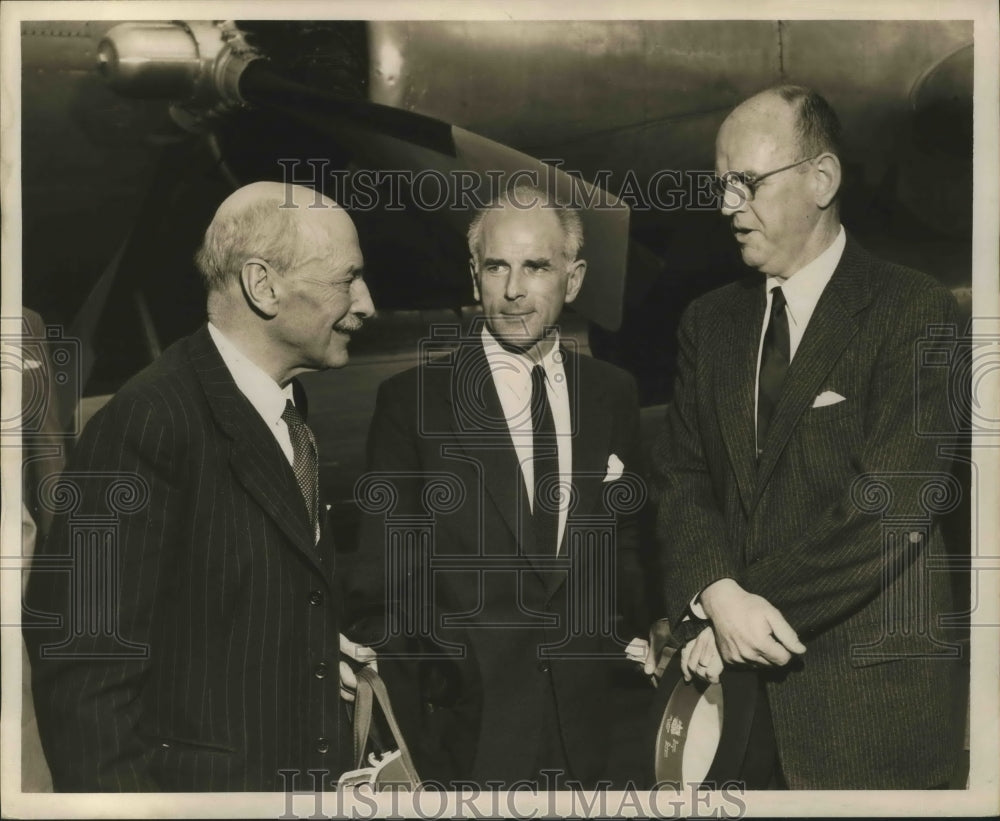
[472, 704]
[820, 525]
[196, 646]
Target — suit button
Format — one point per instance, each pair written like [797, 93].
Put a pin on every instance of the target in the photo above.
[320, 671]
[322, 745]
[316, 598]
[543, 667]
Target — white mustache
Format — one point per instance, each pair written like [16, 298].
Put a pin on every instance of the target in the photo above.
[348, 325]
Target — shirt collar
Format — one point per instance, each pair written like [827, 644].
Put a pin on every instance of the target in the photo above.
[803, 289]
[267, 397]
[499, 358]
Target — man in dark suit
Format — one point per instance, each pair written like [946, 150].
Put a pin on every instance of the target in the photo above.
[492, 571]
[196, 644]
[795, 479]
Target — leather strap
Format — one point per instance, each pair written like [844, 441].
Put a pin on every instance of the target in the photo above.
[371, 688]
[362, 718]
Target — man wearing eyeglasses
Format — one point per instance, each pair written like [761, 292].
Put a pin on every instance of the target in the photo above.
[797, 403]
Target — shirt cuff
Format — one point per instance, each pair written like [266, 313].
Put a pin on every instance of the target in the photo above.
[696, 609]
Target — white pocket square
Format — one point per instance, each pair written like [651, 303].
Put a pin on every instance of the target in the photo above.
[615, 468]
[827, 398]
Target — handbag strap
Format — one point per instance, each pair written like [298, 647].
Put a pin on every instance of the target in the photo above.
[362, 718]
[370, 686]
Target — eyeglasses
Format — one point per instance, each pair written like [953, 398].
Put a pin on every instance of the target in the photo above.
[747, 180]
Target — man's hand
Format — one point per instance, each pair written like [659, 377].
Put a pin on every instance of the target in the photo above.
[658, 650]
[700, 657]
[361, 655]
[748, 628]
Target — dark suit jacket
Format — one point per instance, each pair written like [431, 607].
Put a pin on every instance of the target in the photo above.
[821, 526]
[439, 444]
[196, 664]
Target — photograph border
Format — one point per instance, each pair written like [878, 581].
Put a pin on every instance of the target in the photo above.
[983, 795]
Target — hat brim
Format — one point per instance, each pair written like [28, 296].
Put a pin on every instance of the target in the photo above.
[698, 733]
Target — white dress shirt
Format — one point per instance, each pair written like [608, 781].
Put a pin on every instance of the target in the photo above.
[512, 377]
[802, 291]
[266, 395]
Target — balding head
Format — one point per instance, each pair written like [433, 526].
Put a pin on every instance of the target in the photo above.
[286, 194]
[795, 113]
[765, 115]
[269, 220]
[776, 153]
[283, 268]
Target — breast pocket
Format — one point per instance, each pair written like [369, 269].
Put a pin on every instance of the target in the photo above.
[824, 414]
[832, 427]
[825, 450]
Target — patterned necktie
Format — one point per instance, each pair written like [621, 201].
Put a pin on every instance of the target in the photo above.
[545, 508]
[305, 464]
[774, 359]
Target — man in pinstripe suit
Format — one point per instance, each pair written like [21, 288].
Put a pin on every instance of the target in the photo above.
[197, 643]
[797, 394]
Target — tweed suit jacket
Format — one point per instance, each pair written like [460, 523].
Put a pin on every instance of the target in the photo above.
[209, 661]
[471, 692]
[833, 524]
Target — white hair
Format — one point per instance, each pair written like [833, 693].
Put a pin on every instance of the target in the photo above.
[260, 229]
[524, 197]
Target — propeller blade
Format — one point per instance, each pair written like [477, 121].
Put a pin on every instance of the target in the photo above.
[468, 170]
[264, 88]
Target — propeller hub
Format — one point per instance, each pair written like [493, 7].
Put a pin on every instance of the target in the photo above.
[195, 65]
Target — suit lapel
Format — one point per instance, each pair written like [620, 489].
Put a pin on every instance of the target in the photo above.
[481, 431]
[255, 456]
[737, 378]
[830, 330]
[590, 422]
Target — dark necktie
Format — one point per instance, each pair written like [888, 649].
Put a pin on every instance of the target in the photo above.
[305, 463]
[774, 359]
[545, 510]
